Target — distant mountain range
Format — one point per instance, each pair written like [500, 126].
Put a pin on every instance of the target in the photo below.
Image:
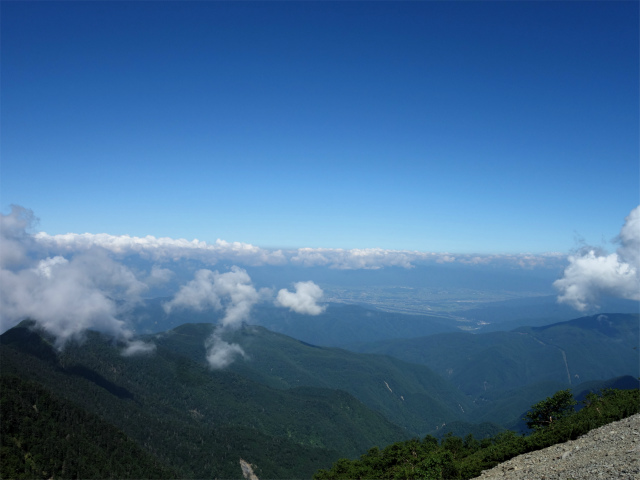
[498, 367]
[343, 325]
[292, 407]
[338, 325]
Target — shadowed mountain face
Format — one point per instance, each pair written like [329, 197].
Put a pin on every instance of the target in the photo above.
[45, 436]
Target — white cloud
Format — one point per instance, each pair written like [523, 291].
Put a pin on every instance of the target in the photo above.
[68, 297]
[592, 274]
[231, 291]
[304, 300]
[234, 293]
[14, 237]
[137, 347]
[163, 249]
[45, 267]
[357, 258]
[221, 354]
[199, 294]
[629, 239]
[159, 275]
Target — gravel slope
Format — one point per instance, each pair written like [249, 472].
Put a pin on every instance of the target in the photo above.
[608, 452]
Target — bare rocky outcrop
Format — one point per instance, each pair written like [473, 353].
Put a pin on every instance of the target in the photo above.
[606, 453]
[247, 470]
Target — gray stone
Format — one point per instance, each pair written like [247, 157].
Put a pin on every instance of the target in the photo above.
[598, 454]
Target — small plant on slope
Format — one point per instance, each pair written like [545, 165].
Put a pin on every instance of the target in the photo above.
[552, 409]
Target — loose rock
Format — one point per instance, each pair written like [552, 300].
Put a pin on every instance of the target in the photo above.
[581, 459]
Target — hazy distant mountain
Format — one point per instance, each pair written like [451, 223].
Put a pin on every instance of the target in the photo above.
[500, 366]
[535, 311]
[347, 326]
[338, 325]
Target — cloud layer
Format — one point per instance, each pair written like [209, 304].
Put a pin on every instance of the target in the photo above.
[592, 273]
[168, 249]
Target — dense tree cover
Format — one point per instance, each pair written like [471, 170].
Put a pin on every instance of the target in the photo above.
[198, 421]
[543, 413]
[43, 436]
[462, 429]
[411, 396]
[457, 458]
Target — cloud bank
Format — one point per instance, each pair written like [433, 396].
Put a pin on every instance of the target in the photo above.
[64, 296]
[163, 249]
[168, 249]
[304, 300]
[592, 273]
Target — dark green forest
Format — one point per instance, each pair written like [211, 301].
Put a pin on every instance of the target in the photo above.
[290, 409]
[43, 436]
[198, 421]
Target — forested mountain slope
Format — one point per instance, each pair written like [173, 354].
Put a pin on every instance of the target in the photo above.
[198, 421]
[456, 458]
[409, 395]
[44, 436]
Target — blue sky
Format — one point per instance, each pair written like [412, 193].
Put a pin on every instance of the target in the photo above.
[467, 127]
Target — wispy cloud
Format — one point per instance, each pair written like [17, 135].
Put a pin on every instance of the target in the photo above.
[137, 347]
[232, 292]
[16, 241]
[304, 300]
[593, 273]
[221, 354]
